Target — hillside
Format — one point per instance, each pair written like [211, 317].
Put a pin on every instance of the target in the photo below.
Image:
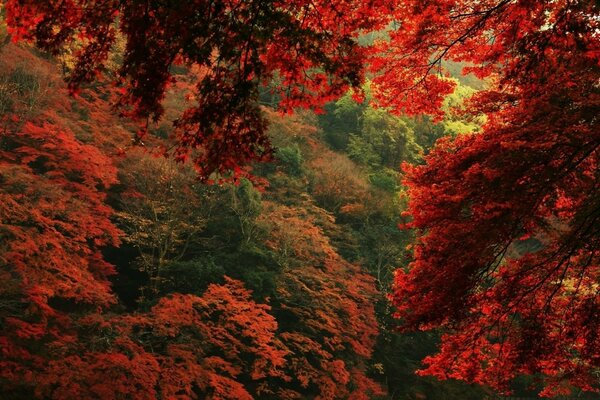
[272, 291]
[299, 200]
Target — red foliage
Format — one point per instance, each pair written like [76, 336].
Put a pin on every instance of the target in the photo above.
[58, 339]
[332, 302]
[53, 224]
[210, 345]
[309, 47]
[532, 172]
[186, 347]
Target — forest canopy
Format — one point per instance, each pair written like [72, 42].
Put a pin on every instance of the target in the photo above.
[257, 199]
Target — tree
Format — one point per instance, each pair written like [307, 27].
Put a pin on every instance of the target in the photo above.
[389, 137]
[531, 176]
[53, 224]
[310, 47]
[161, 211]
[246, 205]
[218, 346]
[336, 182]
[59, 335]
[324, 305]
[21, 95]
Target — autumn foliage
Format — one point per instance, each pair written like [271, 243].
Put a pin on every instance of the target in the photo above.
[310, 48]
[507, 254]
[332, 301]
[65, 333]
[54, 222]
[255, 291]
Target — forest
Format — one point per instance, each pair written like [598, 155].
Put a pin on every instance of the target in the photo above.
[307, 199]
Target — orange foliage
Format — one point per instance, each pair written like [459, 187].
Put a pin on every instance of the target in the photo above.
[336, 183]
[53, 223]
[330, 299]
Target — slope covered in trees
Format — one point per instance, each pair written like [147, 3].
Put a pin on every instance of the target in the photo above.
[203, 274]
[126, 276]
[170, 316]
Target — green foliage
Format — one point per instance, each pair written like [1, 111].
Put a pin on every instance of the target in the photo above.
[337, 139]
[247, 199]
[385, 179]
[371, 136]
[426, 131]
[362, 152]
[291, 159]
[454, 123]
[391, 137]
[246, 205]
[191, 276]
[341, 119]
[255, 266]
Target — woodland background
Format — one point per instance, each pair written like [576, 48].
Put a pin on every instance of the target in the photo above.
[132, 278]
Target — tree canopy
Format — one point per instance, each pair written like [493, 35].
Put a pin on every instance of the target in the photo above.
[309, 47]
[504, 209]
[506, 257]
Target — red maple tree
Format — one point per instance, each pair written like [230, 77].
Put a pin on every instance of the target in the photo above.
[325, 303]
[506, 259]
[54, 222]
[309, 47]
